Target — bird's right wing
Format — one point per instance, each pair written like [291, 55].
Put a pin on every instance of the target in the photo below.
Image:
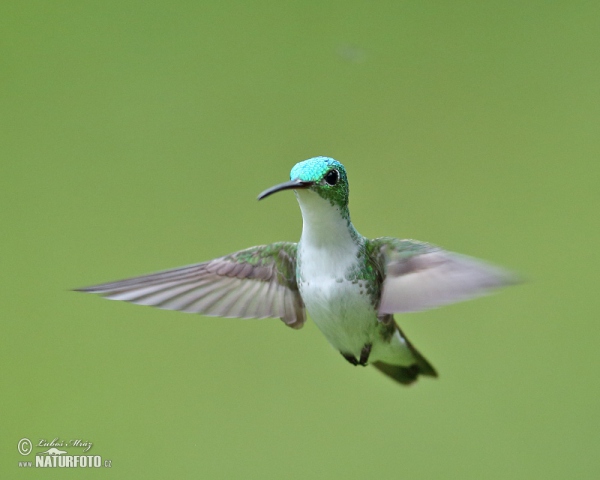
[419, 276]
[258, 282]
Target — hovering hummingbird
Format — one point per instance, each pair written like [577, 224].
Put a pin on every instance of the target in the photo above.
[350, 285]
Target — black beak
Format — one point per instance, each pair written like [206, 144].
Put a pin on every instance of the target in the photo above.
[291, 185]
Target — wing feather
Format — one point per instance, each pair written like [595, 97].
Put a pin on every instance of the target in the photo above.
[259, 282]
[164, 295]
[265, 300]
[419, 276]
[208, 299]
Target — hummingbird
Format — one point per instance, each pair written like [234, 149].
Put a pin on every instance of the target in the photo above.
[351, 286]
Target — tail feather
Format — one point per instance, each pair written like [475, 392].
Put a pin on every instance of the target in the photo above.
[403, 375]
[407, 374]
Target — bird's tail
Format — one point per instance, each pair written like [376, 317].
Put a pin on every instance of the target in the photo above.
[407, 374]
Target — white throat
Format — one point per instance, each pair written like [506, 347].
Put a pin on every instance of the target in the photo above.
[327, 236]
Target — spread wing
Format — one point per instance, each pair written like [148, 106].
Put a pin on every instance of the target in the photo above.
[418, 276]
[259, 282]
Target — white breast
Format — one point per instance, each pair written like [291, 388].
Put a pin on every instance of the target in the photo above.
[326, 253]
[345, 317]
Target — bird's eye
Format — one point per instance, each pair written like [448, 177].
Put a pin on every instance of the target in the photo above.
[332, 177]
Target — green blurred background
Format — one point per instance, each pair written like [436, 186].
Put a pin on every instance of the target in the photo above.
[135, 137]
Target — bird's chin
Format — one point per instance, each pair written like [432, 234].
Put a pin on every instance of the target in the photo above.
[302, 192]
[307, 194]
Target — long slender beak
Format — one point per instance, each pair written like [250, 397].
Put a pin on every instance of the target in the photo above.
[291, 185]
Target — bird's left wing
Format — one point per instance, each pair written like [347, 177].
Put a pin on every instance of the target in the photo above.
[418, 276]
[259, 282]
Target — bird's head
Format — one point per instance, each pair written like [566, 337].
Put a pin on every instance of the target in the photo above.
[322, 175]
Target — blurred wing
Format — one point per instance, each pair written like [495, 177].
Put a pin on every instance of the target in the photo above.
[259, 282]
[419, 276]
